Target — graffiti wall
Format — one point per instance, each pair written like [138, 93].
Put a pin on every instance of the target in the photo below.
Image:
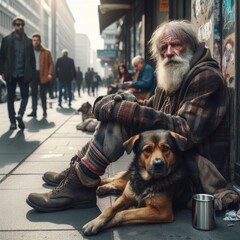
[215, 24]
[228, 40]
[203, 20]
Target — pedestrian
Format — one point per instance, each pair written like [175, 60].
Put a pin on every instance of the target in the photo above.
[95, 83]
[17, 66]
[88, 80]
[65, 73]
[191, 99]
[123, 77]
[79, 80]
[42, 76]
[143, 87]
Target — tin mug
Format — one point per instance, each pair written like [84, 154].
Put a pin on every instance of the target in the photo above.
[203, 213]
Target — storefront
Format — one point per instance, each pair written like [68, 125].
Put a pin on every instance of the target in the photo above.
[217, 23]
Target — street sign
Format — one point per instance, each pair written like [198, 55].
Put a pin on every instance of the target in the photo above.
[107, 53]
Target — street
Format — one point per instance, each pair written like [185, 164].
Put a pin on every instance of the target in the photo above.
[48, 144]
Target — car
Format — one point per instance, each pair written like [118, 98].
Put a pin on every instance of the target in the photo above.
[3, 90]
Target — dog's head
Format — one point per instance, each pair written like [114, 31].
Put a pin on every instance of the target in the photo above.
[85, 108]
[157, 152]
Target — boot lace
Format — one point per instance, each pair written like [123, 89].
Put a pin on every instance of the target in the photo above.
[69, 174]
[73, 160]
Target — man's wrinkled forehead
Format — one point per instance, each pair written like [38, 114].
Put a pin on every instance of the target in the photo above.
[169, 37]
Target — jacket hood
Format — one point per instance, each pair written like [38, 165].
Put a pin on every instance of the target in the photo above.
[201, 56]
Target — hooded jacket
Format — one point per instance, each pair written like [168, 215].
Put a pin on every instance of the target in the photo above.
[197, 111]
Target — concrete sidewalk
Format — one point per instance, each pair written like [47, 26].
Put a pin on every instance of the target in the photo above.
[49, 144]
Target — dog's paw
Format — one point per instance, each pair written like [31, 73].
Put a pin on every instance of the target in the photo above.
[93, 227]
[107, 190]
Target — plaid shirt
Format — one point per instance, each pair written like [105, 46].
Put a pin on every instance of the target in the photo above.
[197, 111]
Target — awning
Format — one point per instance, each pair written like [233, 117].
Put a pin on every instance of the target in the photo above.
[110, 11]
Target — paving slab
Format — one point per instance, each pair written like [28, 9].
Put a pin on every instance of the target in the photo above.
[48, 145]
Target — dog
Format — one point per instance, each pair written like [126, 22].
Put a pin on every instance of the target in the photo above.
[156, 183]
[89, 122]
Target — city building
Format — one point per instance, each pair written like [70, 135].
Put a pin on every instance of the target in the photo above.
[82, 51]
[51, 18]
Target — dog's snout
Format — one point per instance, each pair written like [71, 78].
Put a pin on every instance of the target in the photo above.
[158, 163]
[159, 167]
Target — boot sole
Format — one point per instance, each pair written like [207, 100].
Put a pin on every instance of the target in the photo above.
[74, 205]
[49, 182]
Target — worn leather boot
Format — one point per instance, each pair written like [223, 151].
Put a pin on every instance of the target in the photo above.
[70, 193]
[54, 178]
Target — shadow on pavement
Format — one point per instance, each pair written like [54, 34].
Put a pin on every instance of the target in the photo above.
[66, 111]
[76, 218]
[34, 125]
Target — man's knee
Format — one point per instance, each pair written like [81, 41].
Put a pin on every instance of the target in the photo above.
[109, 138]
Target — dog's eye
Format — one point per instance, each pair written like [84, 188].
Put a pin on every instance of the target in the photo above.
[164, 148]
[148, 149]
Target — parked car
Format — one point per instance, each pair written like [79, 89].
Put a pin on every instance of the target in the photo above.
[3, 90]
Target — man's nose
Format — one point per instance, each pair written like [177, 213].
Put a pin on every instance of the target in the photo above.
[170, 51]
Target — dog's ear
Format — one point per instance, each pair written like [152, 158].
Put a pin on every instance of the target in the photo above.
[180, 140]
[129, 144]
[89, 104]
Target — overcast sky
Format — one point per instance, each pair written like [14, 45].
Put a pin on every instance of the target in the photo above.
[85, 13]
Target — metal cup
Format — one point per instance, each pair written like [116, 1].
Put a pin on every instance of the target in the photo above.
[203, 214]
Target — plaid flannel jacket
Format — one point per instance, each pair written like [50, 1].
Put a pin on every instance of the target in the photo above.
[197, 111]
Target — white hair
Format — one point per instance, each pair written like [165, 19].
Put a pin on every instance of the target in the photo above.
[137, 59]
[181, 29]
[64, 52]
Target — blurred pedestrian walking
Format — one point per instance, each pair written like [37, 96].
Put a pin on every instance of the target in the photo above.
[79, 80]
[17, 66]
[95, 84]
[88, 80]
[43, 75]
[65, 73]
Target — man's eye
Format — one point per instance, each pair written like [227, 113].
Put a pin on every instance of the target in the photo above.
[178, 46]
[163, 48]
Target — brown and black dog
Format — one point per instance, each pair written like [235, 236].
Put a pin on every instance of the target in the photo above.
[156, 182]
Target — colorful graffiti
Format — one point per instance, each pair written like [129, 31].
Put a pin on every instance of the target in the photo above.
[229, 15]
[228, 57]
[228, 40]
[203, 18]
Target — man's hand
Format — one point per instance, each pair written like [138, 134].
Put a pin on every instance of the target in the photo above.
[49, 77]
[128, 84]
[104, 106]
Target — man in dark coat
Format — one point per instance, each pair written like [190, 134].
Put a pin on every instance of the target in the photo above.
[65, 73]
[191, 99]
[79, 80]
[89, 80]
[17, 66]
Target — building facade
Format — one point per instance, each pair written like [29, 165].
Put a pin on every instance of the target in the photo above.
[51, 18]
[82, 51]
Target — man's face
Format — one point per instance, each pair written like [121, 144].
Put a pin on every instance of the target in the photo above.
[36, 42]
[171, 46]
[19, 26]
[138, 66]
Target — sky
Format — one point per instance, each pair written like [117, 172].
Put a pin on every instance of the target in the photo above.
[85, 13]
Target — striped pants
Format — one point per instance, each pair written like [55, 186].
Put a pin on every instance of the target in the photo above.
[105, 147]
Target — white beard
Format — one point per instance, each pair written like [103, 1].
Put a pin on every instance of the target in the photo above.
[170, 71]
